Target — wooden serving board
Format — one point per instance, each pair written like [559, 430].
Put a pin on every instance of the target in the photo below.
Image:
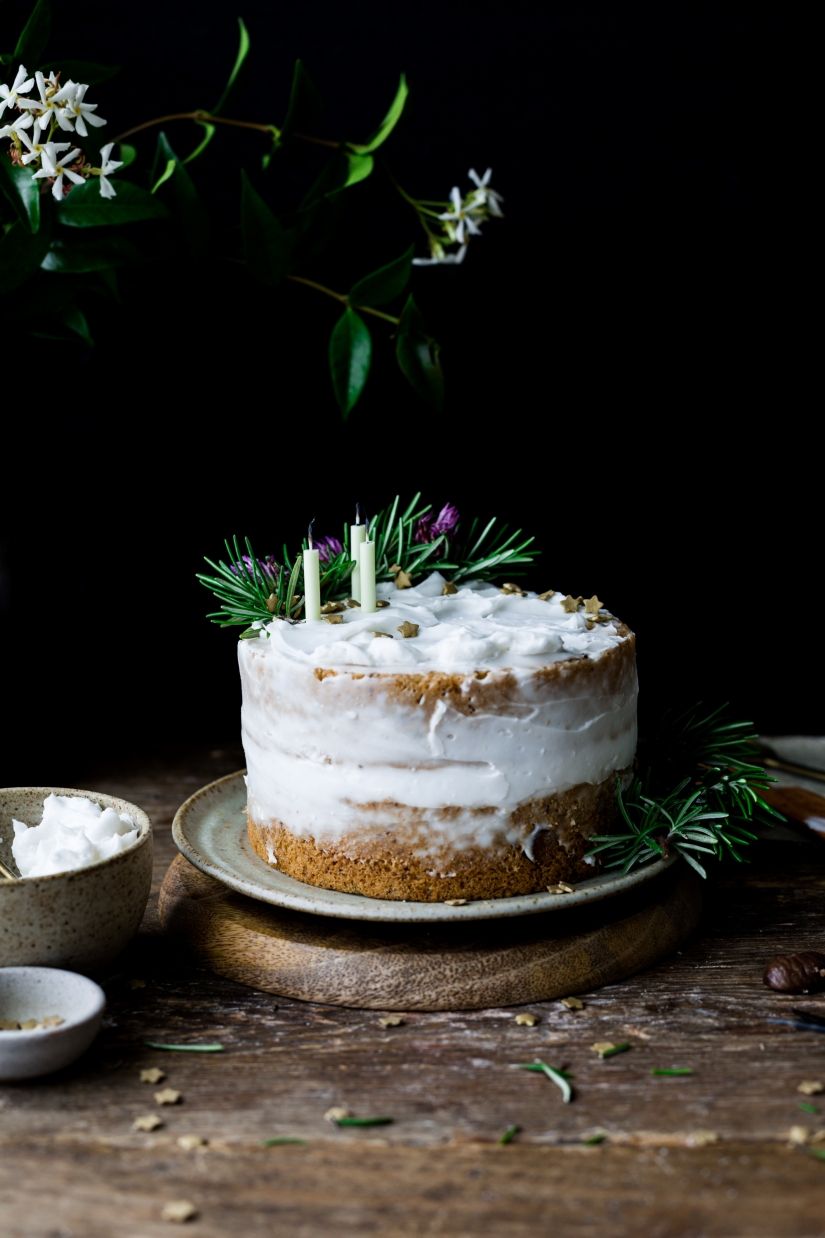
[440, 967]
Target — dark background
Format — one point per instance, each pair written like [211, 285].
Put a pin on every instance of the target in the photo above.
[628, 355]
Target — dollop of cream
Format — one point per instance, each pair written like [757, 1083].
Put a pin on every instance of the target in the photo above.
[478, 626]
[74, 833]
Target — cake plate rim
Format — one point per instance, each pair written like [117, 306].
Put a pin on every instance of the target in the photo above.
[267, 885]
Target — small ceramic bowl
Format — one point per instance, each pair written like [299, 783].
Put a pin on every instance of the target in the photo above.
[79, 920]
[41, 993]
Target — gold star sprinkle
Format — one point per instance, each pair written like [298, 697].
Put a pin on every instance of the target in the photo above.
[390, 1020]
[386, 635]
[526, 1020]
[561, 887]
[408, 629]
[592, 605]
[336, 1113]
[545, 597]
[509, 587]
[168, 1096]
[602, 1046]
[190, 1142]
[402, 580]
[148, 1122]
[448, 589]
[334, 618]
[570, 605]
[332, 608]
[154, 1075]
[179, 1211]
[572, 1003]
[352, 602]
[810, 1087]
[455, 902]
[272, 603]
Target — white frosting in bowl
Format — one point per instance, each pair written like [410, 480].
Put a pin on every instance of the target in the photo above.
[74, 833]
[332, 750]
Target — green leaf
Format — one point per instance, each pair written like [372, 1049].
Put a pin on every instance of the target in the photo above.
[267, 245]
[127, 153]
[350, 350]
[89, 254]
[418, 356]
[388, 123]
[82, 71]
[305, 103]
[201, 147]
[74, 320]
[360, 166]
[243, 52]
[165, 175]
[186, 201]
[84, 207]
[387, 282]
[35, 35]
[21, 253]
[22, 190]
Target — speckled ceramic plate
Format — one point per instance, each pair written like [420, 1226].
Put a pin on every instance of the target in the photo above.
[210, 830]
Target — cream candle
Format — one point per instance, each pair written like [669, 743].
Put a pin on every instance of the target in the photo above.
[312, 580]
[366, 558]
[357, 534]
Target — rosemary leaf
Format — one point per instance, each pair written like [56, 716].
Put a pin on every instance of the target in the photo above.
[151, 1044]
[684, 1070]
[559, 1077]
[363, 1121]
[622, 1048]
[819, 1153]
[594, 1139]
[508, 1135]
[807, 1108]
[281, 1139]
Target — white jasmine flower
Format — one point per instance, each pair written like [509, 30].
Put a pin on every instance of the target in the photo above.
[439, 257]
[107, 166]
[51, 105]
[10, 95]
[81, 112]
[461, 219]
[484, 196]
[55, 164]
[36, 147]
[20, 122]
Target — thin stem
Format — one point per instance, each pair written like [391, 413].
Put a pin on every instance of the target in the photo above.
[199, 115]
[304, 137]
[339, 296]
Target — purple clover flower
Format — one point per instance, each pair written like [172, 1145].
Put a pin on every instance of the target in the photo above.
[267, 567]
[429, 526]
[327, 547]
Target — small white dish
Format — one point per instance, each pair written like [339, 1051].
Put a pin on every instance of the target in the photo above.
[38, 993]
[210, 830]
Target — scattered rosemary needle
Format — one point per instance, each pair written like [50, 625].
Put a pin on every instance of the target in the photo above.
[808, 1108]
[682, 1070]
[363, 1121]
[272, 1143]
[559, 1077]
[819, 1153]
[605, 1048]
[594, 1139]
[508, 1135]
[151, 1044]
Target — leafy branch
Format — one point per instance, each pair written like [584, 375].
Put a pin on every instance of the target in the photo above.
[708, 811]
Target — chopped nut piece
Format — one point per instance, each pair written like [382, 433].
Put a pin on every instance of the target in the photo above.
[561, 887]
[509, 587]
[332, 608]
[333, 618]
[602, 1046]
[545, 597]
[148, 1122]
[153, 1075]
[9, 1025]
[381, 604]
[178, 1210]
[168, 1096]
[336, 1113]
[190, 1142]
[455, 902]
[385, 635]
[28, 1025]
[390, 1020]
[592, 606]
[408, 629]
[137, 984]
[810, 1087]
[570, 605]
[799, 1135]
[526, 1020]
[701, 1139]
[572, 1003]
[448, 589]
[352, 602]
[53, 1020]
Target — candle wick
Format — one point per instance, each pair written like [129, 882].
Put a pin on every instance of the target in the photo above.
[357, 513]
[309, 532]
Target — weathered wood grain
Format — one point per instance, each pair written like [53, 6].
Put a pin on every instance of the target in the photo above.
[436, 967]
[72, 1165]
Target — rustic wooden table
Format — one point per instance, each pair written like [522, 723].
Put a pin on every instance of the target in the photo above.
[700, 1156]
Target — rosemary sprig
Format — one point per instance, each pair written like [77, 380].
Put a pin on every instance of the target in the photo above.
[281, 1139]
[363, 1121]
[682, 1070]
[559, 1077]
[707, 810]
[151, 1044]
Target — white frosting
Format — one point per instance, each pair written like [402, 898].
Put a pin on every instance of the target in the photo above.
[73, 833]
[336, 756]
